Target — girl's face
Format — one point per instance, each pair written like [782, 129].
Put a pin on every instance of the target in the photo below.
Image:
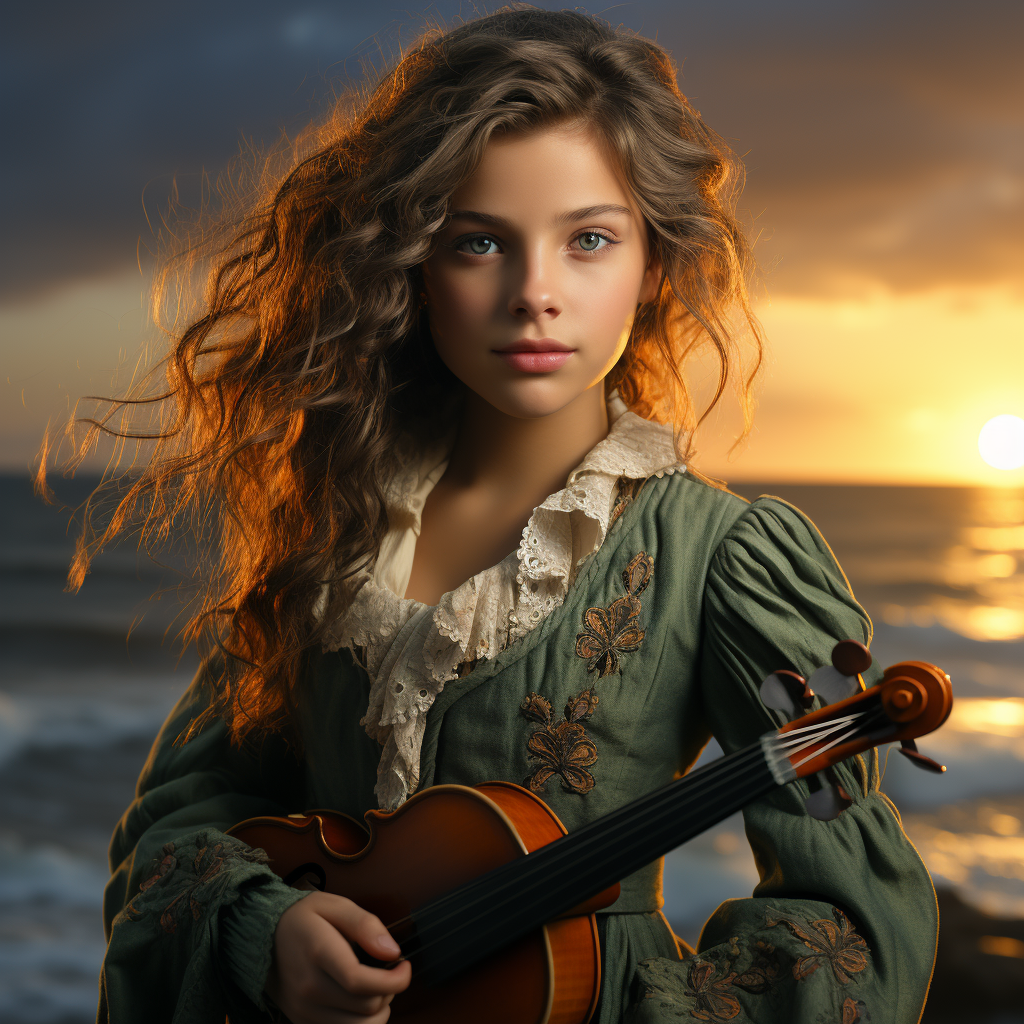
[533, 284]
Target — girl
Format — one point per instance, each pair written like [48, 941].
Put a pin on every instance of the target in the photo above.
[437, 395]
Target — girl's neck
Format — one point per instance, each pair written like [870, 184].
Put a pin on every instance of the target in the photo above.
[531, 456]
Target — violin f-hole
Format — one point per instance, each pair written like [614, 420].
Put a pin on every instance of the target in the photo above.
[309, 876]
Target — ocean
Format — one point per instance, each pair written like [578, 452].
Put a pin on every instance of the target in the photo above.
[86, 680]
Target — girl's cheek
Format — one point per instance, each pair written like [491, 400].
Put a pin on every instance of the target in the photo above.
[461, 302]
[611, 303]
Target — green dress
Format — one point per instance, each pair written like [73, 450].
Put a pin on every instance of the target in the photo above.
[694, 597]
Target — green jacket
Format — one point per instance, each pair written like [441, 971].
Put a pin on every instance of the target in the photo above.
[842, 925]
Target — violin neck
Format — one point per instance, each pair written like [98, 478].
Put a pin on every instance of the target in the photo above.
[477, 919]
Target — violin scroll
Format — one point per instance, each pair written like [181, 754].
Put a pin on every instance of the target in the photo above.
[917, 696]
[912, 699]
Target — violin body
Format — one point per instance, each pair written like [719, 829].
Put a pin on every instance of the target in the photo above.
[497, 918]
[551, 976]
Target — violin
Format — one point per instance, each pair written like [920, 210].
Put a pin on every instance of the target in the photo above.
[503, 899]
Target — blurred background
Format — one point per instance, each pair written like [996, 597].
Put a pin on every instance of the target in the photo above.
[884, 146]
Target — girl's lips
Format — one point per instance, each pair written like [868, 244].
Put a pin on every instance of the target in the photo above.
[536, 362]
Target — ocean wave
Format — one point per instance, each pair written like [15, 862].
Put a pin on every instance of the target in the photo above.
[84, 712]
[967, 660]
[51, 938]
[48, 874]
[982, 747]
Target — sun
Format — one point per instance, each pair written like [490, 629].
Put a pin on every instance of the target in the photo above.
[1001, 442]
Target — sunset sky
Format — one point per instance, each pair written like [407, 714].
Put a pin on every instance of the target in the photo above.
[884, 145]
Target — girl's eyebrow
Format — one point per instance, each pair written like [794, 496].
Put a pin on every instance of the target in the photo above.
[584, 213]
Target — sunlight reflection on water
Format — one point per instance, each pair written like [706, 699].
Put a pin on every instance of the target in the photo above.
[977, 844]
[1003, 717]
[982, 566]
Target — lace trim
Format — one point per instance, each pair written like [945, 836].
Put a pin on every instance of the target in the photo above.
[411, 649]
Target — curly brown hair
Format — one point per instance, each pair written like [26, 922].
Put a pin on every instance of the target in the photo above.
[286, 399]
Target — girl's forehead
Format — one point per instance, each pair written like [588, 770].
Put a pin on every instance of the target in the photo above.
[549, 171]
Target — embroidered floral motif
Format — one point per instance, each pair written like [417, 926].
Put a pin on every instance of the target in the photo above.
[628, 489]
[760, 975]
[562, 748]
[711, 1000]
[853, 1011]
[609, 632]
[193, 878]
[832, 943]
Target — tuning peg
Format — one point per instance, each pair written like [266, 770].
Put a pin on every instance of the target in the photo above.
[908, 748]
[828, 799]
[850, 658]
[839, 680]
[831, 685]
[787, 692]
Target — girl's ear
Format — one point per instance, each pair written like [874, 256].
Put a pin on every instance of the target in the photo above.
[650, 286]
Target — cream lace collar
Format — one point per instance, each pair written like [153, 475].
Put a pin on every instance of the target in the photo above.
[411, 649]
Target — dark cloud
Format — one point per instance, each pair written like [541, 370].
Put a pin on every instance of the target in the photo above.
[884, 143]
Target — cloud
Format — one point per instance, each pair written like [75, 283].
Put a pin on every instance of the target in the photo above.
[108, 118]
[883, 146]
[884, 143]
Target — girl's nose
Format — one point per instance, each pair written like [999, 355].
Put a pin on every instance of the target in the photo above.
[535, 292]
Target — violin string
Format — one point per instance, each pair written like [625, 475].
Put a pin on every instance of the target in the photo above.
[713, 783]
[648, 823]
[744, 759]
[734, 771]
[823, 722]
[863, 720]
[792, 737]
[820, 750]
[671, 807]
[490, 902]
[520, 880]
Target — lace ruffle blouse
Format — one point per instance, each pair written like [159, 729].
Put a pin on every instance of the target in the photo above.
[410, 649]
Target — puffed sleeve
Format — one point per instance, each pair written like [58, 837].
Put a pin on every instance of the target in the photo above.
[842, 925]
[189, 911]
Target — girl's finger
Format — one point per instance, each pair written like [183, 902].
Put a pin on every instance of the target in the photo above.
[361, 926]
[339, 959]
[357, 981]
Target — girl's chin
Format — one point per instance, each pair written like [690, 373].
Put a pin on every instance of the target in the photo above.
[531, 397]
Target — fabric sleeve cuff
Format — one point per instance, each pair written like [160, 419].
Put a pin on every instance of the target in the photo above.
[247, 934]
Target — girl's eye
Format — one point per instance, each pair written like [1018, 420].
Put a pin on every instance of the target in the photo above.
[590, 241]
[478, 245]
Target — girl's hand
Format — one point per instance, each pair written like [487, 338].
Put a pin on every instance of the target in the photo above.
[315, 977]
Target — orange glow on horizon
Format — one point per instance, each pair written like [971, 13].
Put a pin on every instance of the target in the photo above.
[885, 389]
